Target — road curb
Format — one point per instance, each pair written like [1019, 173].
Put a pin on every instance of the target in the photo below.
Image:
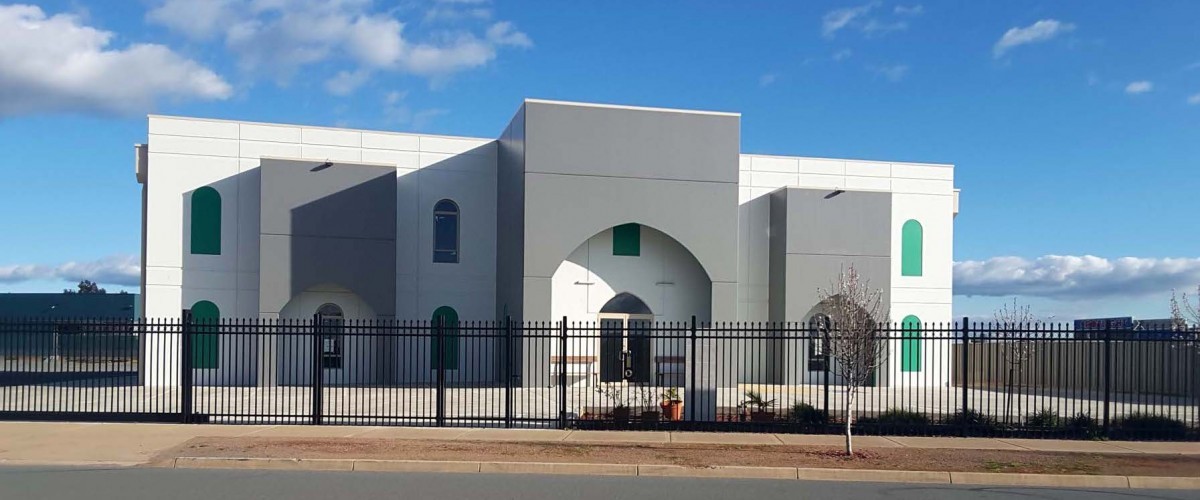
[1050, 480]
[663, 470]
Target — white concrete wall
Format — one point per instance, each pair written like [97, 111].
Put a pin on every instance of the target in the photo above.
[187, 153]
[920, 191]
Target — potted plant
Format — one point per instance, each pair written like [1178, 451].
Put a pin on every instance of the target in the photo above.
[650, 413]
[672, 405]
[759, 407]
[620, 407]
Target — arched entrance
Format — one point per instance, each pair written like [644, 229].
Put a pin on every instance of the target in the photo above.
[347, 355]
[625, 343]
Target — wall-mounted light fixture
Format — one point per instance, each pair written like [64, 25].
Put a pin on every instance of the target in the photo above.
[322, 166]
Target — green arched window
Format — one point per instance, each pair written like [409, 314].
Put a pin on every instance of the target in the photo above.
[448, 318]
[912, 248]
[205, 340]
[206, 221]
[910, 346]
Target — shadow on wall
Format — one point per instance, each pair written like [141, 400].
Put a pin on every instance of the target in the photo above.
[341, 230]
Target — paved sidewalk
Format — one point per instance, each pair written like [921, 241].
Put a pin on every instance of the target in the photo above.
[134, 444]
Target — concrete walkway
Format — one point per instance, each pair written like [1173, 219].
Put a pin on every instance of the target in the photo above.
[134, 444]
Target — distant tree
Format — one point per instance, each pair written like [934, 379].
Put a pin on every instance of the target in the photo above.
[856, 312]
[1184, 315]
[87, 286]
[1013, 327]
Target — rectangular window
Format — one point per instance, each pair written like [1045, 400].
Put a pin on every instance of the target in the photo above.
[331, 351]
[627, 240]
[817, 360]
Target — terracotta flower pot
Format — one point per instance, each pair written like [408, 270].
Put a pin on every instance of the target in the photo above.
[672, 410]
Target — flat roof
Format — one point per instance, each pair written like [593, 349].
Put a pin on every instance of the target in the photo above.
[636, 108]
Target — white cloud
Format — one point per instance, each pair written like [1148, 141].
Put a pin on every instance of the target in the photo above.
[767, 79]
[863, 19]
[1194, 99]
[279, 38]
[1068, 277]
[1139, 87]
[58, 64]
[457, 10]
[842, 55]
[914, 10]
[835, 20]
[892, 72]
[346, 82]
[1038, 32]
[875, 27]
[397, 111]
[124, 270]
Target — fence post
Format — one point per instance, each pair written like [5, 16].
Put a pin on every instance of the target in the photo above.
[185, 367]
[966, 372]
[1107, 374]
[439, 339]
[562, 374]
[318, 369]
[825, 364]
[691, 408]
[508, 362]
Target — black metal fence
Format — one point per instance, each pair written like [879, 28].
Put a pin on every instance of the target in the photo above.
[952, 379]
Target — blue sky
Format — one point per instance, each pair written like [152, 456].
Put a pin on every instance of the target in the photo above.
[1074, 125]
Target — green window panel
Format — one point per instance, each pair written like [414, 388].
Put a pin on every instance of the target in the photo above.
[447, 316]
[627, 240]
[206, 343]
[910, 346]
[206, 221]
[912, 248]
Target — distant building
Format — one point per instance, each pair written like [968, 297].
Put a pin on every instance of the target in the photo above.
[1125, 327]
[54, 306]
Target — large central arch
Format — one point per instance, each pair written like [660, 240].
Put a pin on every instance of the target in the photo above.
[657, 269]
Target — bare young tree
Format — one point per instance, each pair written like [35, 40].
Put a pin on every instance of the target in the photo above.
[856, 312]
[1012, 325]
[1184, 315]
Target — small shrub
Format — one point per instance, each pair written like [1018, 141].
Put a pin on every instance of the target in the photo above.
[805, 413]
[1084, 425]
[902, 417]
[974, 421]
[1044, 418]
[1148, 425]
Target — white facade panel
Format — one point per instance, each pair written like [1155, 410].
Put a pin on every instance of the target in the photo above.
[452, 145]
[395, 142]
[868, 169]
[331, 153]
[773, 179]
[827, 167]
[400, 159]
[917, 171]
[193, 145]
[161, 125]
[331, 137]
[259, 149]
[772, 164]
[269, 133]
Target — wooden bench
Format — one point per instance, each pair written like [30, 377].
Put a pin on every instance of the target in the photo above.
[580, 367]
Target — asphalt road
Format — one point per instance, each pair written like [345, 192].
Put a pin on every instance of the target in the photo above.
[33, 483]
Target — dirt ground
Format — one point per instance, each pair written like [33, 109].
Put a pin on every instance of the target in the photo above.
[697, 455]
